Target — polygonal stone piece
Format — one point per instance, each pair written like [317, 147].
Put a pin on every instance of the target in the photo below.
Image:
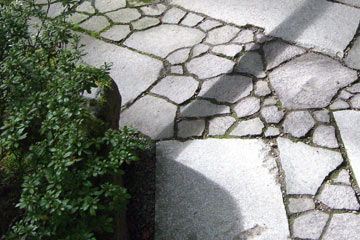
[116, 32]
[125, 15]
[297, 205]
[173, 15]
[353, 58]
[177, 69]
[270, 101]
[278, 52]
[95, 23]
[179, 56]
[177, 88]
[153, 10]
[272, 132]
[252, 127]
[245, 36]
[325, 136]
[251, 47]
[343, 177]
[355, 101]
[227, 88]
[145, 22]
[272, 114]
[209, 24]
[310, 225]
[163, 39]
[343, 226]
[222, 35]
[339, 197]
[86, 6]
[251, 63]
[190, 128]
[310, 81]
[345, 95]
[262, 88]
[230, 50]
[75, 18]
[55, 9]
[322, 116]
[298, 124]
[354, 88]
[247, 107]
[202, 108]
[152, 116]
[199, 49]
[306, 167]
[238, 186]
[219, 125]
[209, 65]
[192, 20]
[339, 104]
[109, 5]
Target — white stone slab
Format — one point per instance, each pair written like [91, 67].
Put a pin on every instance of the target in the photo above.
[343, 226]
[217, 189]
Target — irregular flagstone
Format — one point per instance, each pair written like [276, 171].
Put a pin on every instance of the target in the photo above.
[219, 125]
[227, 88]
[354, 88]
[343, 177]
[199, 49]
[177, 70]
[242, 196]
[173, 15]
[310, 81]
[132, 72]
[343, 226]
[272, 132]
[86, 6]
[245, 36]
[145, 22]
[177, 88]
[192, 20]
[353, 58]
[310, 225]
[298, 124]
[262, 88]
[349, 125]
[339, 104]
[202, 108]
[345, 95]
[109, 5]
[270, 101]
[307, 22]
[221, 35]
[209, 65]
[152, 116]
[116, 32]
[339, 197]
[95, 23]
[247, 107]
[153, 10]
[251, 63]
[272, 114]
[306, 167]
[277, 52]
[230, 50]
[190, 128]
[125, 15]
[76, 18]
[355, 101]
[55, 10]
[179, 56]
[209, 24]
[325, 136]
[322, 115]
[164, 39]
[250, 127]
[297, 205]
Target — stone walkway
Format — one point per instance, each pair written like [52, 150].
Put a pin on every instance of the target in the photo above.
[254, 106]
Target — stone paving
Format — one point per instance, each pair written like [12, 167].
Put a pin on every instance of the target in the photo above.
[254, 107]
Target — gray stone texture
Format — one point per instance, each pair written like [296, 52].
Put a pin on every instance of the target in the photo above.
[209, 24]
[355, 101]
[252, 127]
[86, 6]
[298, 124]
[339, 104]
[202, 108]
[261, 37]
[354, 88]
[349, 125]
[145, 22]
[177, 70]
[251, 63]
[310, 81]
[179, 56]
[164, 39]
[251, 46]
[322, 116]
[345, 95]
[76, 18]
[269, 101]
[152, 116]
[173, 15]
[343, 226]
[227, 88]
[125, 15]
[192, 20]
[153, 10]
[242, 196]
[245, 36]
[307, 22]
[353, 58]
[177, 88]
[306, 167]
[262, 88]
[272, 132]
[297, 205]
[338, 197]
[277, 52]
[325, 136]
[209, 65]
[343, 177]
[219, 125]
[95, 23]
[55, 10]
[190, 128]
[116, 32]
[310, 225]
[221, 35]
[230, 50]
[354, 3]
[199, 49]
[247, 107]
[109, 5]
[272, 114]
[132, 72]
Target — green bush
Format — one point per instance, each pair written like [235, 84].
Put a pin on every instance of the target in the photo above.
[66, 158]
